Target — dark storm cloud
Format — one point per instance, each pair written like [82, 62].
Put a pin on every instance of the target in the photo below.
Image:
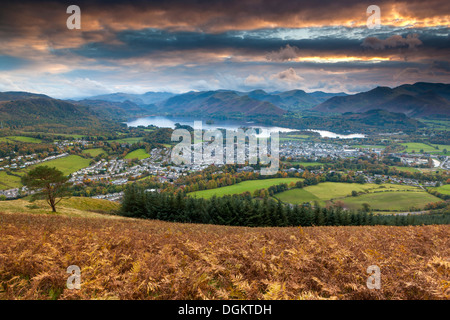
[138, 43]
[411, 41]
[31, 17]
[221, 44]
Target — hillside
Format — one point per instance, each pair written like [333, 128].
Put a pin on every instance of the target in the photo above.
[114, 110]
[383, 118]
[139, 99]
[417, 100]
[124, 258]
[218, 103]
[19, 108]
[294, 100]
[20, 95]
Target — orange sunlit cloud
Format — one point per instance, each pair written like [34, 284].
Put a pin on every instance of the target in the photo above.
[234, 44]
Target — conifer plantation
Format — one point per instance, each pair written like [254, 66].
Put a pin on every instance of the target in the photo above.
[243, 210]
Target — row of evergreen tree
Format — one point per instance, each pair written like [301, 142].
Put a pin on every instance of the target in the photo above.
[243, 210]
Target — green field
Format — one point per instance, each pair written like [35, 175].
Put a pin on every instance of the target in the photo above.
[294, 137]
[304, 164]
[442, 147]
[405, 169]
[368, 147]
[94, 152]
[438, 124]
[416, 147]
[139, 154]
[250, 185]
[20, 139]
[392, 201]
[67, 165]
[326, 191]
[322, 192]
[8, 181]
[445, 189]
[128, 140]
[331, 190]
[72, 207]
[298, 196]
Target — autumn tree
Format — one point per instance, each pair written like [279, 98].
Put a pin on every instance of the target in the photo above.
[47, 183]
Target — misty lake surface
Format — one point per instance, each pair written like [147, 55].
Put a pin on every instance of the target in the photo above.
[209, 124]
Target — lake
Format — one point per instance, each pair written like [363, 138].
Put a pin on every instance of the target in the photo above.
[169, 122]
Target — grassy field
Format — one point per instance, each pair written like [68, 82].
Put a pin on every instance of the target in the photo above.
[410, 146]
[322, 192]
[301, 136]
[133, 259]
[291, 139]
[442, 147]
[139, 154]
[295, 137]
[331, 190]
[94, 152]
[304, 164]
[73, 207]
[250, 185]
[67, 164]
[298, 196]
[128, 140]
[438, 124]
[445, 189]
[68, 135]
[326, 191]
[394, 201]
[20, 139]
[406, 169]
[9, 181]
[368, 147]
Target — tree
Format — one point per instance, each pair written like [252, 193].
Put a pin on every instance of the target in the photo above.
[48, 183]
[360, 179]
[365, 207]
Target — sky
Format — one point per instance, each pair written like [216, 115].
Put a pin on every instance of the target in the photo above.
[179, 46]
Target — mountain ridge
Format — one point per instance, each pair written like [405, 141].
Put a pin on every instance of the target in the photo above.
[418, 100]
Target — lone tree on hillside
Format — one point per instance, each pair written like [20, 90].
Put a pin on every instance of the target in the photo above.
[48, 183]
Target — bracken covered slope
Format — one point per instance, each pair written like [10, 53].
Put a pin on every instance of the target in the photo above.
[136, 259]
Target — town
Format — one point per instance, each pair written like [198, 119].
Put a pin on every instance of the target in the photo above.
[158, 164]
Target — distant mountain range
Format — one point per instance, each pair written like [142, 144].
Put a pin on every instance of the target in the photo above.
[294, 100]
[220, 102]
[377, 107]
[418, 100]
[139, 99]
